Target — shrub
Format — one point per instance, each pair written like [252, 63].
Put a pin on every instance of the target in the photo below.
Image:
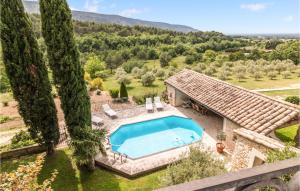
[210, 71]
[189, 59]
[120, 72]
[152, 54]
[171, 73]
[142, 99]
[137, 72]
[199, 164]
[160, 74]
[102, 74]
[93, 65]
[221, 136]
[164, 59]
[21, 139]
[123, 91]
[142, 55]
[257, 75]
[26, 177]
[4, 118]
[268, 68]
[200, 67]
[282, 154]
[280, 66]
[286, 74]
[124, 79]
[272, 75]
[148, 79]
[293, 99]
[114, 93]
[87, 77]
[223, 74]
[122, 76]
[128, 66]
[97, 83]
[171, 68]
[174, 65]
[154, 70]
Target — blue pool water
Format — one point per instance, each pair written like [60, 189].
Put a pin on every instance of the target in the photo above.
[144, 138]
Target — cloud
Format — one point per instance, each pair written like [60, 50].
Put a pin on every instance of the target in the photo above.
[288, 18]
[254, 6]
[130, 12]
[91, 5]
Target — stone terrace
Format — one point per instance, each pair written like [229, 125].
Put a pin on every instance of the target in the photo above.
[135, 167]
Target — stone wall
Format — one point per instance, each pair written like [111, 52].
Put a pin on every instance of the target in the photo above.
[33, 149]
[250, 146]
[228, 128]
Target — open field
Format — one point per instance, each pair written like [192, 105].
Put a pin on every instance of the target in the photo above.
[250, 83]
[70, 178]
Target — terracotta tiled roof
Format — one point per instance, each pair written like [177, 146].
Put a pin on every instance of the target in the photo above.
[248, 109]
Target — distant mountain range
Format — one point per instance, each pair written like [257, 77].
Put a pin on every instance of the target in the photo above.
[33, 7]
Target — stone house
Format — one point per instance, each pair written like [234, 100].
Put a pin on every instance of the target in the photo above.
[238, 107]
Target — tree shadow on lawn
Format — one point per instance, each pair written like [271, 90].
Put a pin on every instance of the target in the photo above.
[66, 178]
[72, 178]
[129, 87]
[99, 179]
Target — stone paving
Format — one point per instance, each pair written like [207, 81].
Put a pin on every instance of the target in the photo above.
[135, 167]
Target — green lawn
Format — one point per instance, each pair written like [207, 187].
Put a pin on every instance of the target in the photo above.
[72, 179]
[250, 83]
[287, 134]
[135, 88]
[283, 93]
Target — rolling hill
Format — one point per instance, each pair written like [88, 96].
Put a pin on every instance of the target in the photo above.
[33, 7]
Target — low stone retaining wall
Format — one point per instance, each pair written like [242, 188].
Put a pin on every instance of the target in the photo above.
[22, 151]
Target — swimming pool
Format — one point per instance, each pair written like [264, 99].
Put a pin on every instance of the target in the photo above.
[148, 137]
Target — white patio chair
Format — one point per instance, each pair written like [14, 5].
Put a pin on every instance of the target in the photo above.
[97, 120]
[158, 104]
[149, 105]
[108, 111]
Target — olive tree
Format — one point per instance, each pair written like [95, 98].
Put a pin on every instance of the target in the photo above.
[148, 79]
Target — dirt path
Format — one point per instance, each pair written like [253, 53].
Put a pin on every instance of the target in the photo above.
[277, 89]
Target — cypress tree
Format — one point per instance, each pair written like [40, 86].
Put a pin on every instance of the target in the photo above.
[27, 74]
[63, 56]
[123, 91]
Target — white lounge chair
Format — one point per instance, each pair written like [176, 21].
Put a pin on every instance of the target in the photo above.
[149, 105]
[108, 111]
[158, 104]
[97, 120]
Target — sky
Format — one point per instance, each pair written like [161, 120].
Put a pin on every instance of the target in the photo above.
[227, 16]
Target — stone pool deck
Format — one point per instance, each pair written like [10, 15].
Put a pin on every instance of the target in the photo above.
[135, 167]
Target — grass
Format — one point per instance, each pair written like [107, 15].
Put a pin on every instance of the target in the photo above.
[70, 178]
[283, 93]
[4, 118]
[135, 88]
[251, 83]
[287, 134]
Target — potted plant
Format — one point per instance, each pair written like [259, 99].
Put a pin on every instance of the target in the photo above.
[221, 136]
